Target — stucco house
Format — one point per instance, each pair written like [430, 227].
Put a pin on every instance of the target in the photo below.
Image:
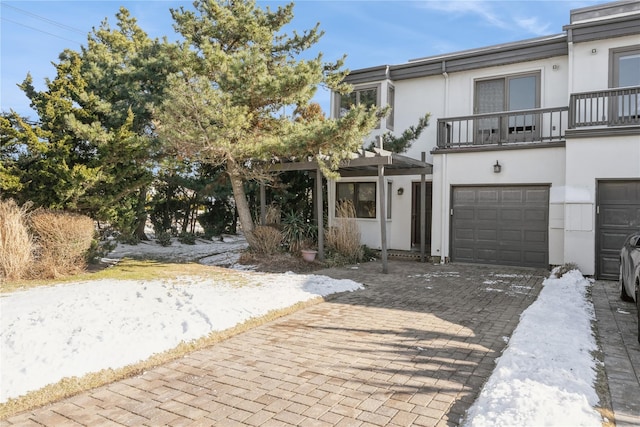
[535, 148]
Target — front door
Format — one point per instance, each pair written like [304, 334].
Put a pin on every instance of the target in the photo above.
[415, 214]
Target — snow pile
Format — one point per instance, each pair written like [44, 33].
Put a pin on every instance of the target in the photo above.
[49, 333]
[546, 374]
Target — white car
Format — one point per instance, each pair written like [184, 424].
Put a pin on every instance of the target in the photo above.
[630, 272]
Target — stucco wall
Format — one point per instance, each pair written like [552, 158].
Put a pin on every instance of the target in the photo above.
[398, 226]
[590, 70]
[589, 160]
[527, 166]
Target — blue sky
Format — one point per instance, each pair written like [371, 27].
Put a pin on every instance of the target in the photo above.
[370, 33]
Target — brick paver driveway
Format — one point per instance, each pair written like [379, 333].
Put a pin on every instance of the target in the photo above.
[413, 348]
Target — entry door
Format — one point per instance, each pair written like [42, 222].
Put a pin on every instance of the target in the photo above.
[415, 213]
[618, 216]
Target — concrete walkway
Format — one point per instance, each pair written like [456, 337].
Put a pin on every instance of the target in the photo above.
[413, 348]
[618, 332]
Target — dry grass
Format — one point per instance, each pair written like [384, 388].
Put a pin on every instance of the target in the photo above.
[16, 245]
[62, 240]
[267, 239]
[70, 386]
[344, 237]
[132, 269]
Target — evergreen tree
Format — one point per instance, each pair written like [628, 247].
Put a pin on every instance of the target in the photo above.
[400, 144]
[239, 74]
[94, 148]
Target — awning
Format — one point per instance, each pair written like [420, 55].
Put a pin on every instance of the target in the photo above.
[378, 163]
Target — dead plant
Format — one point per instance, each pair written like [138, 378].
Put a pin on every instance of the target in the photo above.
[16, 245]
[344, 236]
[62, 240]
[268, 239]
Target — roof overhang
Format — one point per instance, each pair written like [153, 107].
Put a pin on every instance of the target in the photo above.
[365, 163]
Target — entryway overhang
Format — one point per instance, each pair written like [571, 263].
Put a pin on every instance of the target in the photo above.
[378, 163]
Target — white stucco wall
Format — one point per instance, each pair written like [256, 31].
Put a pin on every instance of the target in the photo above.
[590, 160]
[589, 69]
[527, 166]
[398, 226]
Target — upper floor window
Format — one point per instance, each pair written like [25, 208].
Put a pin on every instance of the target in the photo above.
[625, 73]
[508, 93]
[368, 96]
[391, 99]
[625, 67]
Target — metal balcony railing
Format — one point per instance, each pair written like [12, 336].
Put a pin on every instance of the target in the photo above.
[508, 127]
[612, 107]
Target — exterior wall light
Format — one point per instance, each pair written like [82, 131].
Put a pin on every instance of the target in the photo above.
[400, 191]
[497, 167]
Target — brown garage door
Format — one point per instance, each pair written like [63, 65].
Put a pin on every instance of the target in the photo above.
[618, 216]
[501, 225]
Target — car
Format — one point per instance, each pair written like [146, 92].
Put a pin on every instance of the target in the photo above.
[630, 272]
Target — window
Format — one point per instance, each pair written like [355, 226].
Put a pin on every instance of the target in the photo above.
[391, 99]
[362, 194]
[510, 93]
[625, 72]
[367, 96]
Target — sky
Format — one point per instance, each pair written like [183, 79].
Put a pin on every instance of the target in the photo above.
[545, 376]
[370, 33]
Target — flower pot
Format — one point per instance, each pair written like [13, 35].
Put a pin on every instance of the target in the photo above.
[309, 255]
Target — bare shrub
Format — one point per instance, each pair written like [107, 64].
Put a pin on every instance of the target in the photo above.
[16, 245]
[268, 239]
[564, 269]
[344, 237]
[63, 240]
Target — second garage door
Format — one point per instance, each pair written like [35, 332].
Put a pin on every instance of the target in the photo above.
[504, 225]
[618, 216]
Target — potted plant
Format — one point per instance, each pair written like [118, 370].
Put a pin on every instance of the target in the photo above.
[308, 252]
[298, 232]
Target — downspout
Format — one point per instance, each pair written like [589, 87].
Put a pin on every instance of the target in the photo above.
[570, 61]
[445, 107]
[444, 202]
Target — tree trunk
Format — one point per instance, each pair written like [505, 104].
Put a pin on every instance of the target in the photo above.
[242, 205]
[141, 212]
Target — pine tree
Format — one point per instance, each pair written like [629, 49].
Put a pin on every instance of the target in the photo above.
[94, 147]
[239, 75]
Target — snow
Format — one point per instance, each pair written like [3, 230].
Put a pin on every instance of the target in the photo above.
[545, 376]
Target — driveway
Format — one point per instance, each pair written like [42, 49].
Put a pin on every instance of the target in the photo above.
[413, 348]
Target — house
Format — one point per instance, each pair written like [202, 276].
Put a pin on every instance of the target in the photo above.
[535, 147]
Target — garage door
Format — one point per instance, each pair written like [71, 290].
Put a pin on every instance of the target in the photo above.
[501, 225]
[618, 216]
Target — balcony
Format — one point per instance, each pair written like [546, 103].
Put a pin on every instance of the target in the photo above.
[504, 128]
[608, 108]
[613, 107]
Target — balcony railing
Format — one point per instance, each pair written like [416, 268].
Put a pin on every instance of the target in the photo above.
[613, 107]
[609, 108]
[508, 127]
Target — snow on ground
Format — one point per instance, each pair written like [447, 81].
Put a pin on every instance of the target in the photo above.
[49, 333]
[545, 376]
[224, 251]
